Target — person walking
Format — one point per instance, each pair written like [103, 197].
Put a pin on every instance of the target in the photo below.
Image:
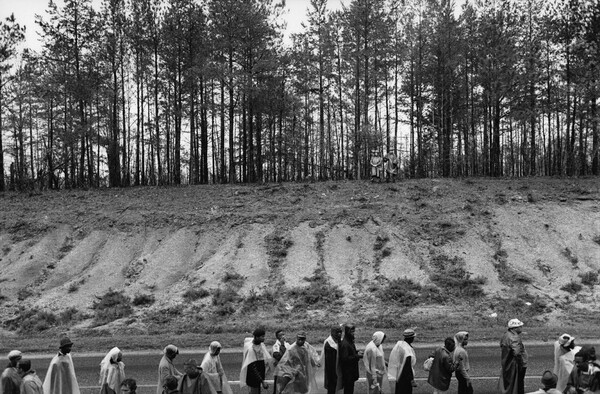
[349, 358]
[461, 359]
[60, 377]
[194, 381]
[442, 367]
[566, 361]
[278, 350]
[401, 367]
[10, 380]
[112, 372]
[30, 383]
[296, 369]
[330, 359]
[256, 359]
[513, 360]
[166, 367]
[212, 368]
[374, 360]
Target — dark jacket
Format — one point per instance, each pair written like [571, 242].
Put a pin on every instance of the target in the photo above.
[330, 367]
[441, 369]
[349, 359]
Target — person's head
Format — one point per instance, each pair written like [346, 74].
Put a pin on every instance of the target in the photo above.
[13, 357]
[128, 386]
[23, 366]
[515, 325]
[191, 368]
[449, 344]
[65, 345]
[349, 331]
[259, 336]
[461, 338]
[280, 335]
[583, 357]
[549, 380]
[214, 348]
[378, 338]
[301, 338]
[336, 333]
[409, 335]
[171, 351]
[170, 383]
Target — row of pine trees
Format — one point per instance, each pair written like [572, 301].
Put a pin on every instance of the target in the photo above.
[169, 92]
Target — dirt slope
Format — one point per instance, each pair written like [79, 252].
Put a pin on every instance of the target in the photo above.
[270, 248]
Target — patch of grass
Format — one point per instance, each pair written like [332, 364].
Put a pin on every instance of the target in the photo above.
[568, 253]
[69, 315]
[401, 291]
[65, 248]
[380, 242]
[506, 274]
[193, 294]
[143, 300]
[30, 321]
[255, 300]
[225, 296]
[450, 275]
[319, 293]
[24, 294]
[589, 278]
[572, 287]
[234, 279]
[277, 248]
[111, 306]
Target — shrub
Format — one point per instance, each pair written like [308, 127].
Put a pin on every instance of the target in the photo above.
[111, 306]
[234, 279]
[24, 294]
[32, 321]
[193, 294]
[319, 293]
[506, 274]
[450, 275]
[225, 296]
[568, 253]
[68, 315]
[402, 291]
[143, 300]
[589, 278]
[572, 287]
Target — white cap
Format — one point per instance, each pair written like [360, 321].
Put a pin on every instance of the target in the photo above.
[514, 323]
[14, 354]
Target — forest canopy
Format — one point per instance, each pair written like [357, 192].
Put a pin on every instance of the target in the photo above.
[170, 92]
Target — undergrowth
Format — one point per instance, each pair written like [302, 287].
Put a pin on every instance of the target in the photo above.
[111, 306]
[450, 275]
[506, 274]
[319, 293]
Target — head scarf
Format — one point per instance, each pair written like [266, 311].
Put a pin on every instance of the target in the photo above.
[214, 346]
[107, 371]
[460, 350]
[348, 332]
[378, 338]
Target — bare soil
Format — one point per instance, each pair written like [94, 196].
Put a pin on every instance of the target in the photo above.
[259, 252]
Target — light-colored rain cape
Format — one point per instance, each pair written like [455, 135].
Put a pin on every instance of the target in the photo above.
[566, 362]
[298, 364]
[212, 369]
[374, 360]
[111, 373]
[250, 356]
[401, 351]
[60, 377]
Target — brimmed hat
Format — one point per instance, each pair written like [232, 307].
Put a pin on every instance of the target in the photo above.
[514, 323]
[14, 354]
[549, 379]
[409, 333]
[65, 341]
[192, 362]
[301, 334]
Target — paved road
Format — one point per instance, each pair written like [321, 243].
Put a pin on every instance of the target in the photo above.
[485, 365]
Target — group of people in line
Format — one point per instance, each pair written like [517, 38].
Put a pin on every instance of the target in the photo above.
[294, 367]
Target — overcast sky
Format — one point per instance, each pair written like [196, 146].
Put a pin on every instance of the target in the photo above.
[25, 11]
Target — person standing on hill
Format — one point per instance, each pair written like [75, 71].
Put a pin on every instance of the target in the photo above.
[31, 383]
[256, 359]
[279, 348]
[330, 359]
[10, 381]
[166, 367]
[461, 359]
[513, 360]
[112, 372]
[442, 367]
[349, 358]
[374, 360]
[60, 377]
[401, 367]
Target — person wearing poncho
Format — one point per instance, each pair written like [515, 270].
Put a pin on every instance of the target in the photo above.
[585, 376]
[60, 377]
[296, 370]
[330, 360]
[166, 367]
[212, 369]
[566, 361]
[461, 359]
[513, 360]
[559, 350]
[374, 360]
[401, 367]
[112, 372]
[256, 360]
[10, 381]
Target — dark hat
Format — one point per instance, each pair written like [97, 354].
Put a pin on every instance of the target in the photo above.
[301, 334]
[409, 333]
[549, 379]
[259, 332]
[192, 362]
[65, 341]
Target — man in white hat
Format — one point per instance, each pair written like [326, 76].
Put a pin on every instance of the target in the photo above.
[514, 360]
[401, 367]
[10, 381]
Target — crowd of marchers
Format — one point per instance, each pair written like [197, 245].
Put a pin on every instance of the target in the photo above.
[295, 367]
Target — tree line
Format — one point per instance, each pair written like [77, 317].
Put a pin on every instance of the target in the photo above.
[169, 92]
